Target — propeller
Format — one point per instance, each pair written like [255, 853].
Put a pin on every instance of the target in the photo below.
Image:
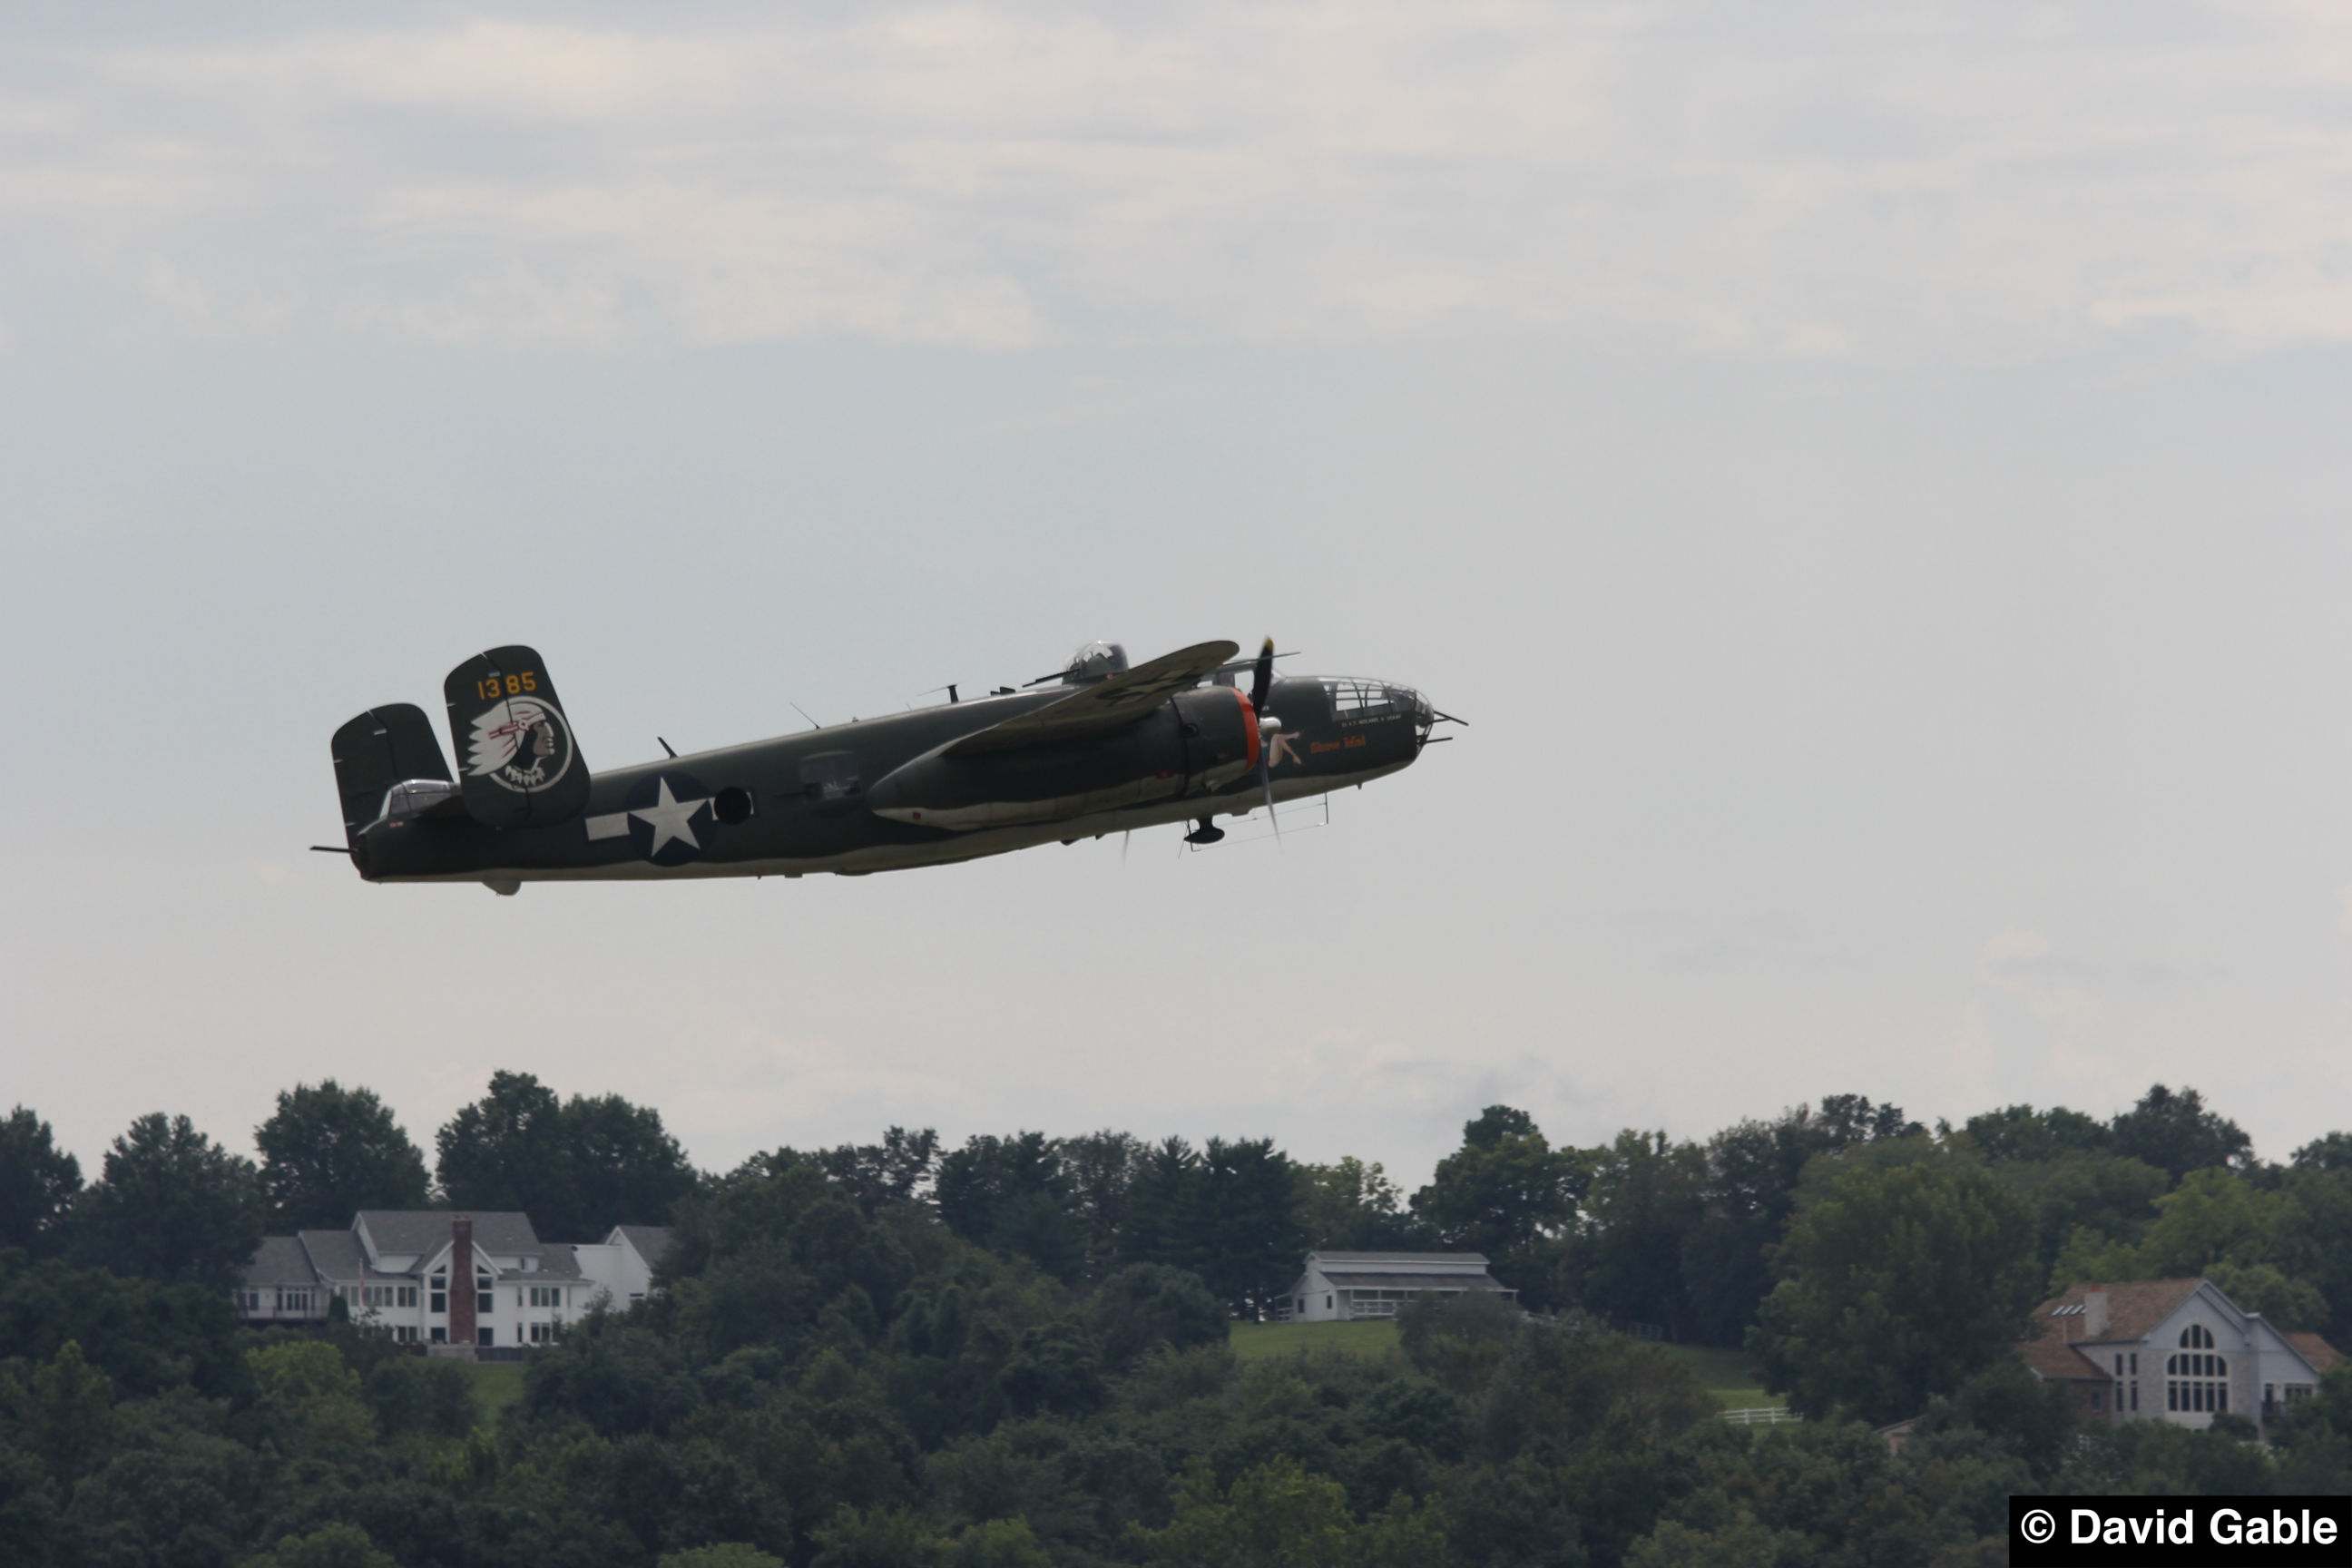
[1268, 727]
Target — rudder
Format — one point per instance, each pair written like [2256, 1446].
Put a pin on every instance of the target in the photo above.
[380, 748]
[518, 762]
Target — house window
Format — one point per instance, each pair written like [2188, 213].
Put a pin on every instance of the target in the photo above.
[405, 1334]
[547, 1296]
[2135, 1397]
[2197, 1337]
[440, 1336]
[542, 1332]
[2197, 1383]
[486, 1335]
[2135, 1363]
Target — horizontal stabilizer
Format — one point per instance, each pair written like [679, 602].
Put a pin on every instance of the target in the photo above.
[1103, 707]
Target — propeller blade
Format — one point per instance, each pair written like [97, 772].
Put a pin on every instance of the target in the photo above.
[1266, 778]
[1262, 678]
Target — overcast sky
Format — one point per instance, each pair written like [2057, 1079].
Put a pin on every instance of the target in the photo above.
[1872, 476]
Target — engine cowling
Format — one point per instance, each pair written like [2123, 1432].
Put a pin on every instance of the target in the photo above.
[1197, 741]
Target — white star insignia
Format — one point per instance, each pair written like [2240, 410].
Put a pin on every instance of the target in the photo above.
[670, 818]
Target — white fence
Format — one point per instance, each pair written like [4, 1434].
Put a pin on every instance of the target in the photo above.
[1761, 1416]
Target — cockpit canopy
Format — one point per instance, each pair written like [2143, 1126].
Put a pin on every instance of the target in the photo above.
[1095, 661]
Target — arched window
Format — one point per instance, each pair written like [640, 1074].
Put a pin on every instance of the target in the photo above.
[2197, 1383]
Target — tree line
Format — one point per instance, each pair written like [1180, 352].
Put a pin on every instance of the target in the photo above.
[1683, 1239]
[1018, 1354]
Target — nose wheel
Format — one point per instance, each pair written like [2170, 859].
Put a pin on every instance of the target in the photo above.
[1204, 832]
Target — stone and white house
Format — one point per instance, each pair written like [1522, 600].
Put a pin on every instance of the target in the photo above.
[1341, 1286]
[433, 1278]
[2170, 1350]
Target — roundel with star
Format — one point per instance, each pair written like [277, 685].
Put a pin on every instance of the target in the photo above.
[670, 818]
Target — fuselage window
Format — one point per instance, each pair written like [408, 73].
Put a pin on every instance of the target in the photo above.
[829, 776]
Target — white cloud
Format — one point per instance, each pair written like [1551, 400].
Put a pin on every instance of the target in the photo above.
[1827, 180]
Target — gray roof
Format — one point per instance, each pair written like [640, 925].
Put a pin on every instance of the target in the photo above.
[1322, 1257]
[280, 1261]
[335, 1254]
[558, 1263]
[425, 1230]
[1351, 1281]
[650, 1240]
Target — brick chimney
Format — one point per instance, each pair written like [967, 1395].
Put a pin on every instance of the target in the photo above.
[461, 1281]
[2095, 1311]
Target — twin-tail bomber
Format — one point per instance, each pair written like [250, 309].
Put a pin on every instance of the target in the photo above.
[1106, 747]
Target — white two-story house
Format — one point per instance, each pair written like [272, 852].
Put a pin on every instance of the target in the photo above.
[2171, 1350]
[411, 1272]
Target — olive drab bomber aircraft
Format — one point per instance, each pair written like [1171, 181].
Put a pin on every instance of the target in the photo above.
[1105, 748]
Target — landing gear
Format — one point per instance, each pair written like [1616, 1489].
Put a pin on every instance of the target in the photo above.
[1204, 832]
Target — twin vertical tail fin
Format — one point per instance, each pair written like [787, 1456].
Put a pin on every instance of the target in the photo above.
[383, 748]
[518, 763]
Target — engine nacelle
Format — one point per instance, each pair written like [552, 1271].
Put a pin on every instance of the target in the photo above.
[1199, 741]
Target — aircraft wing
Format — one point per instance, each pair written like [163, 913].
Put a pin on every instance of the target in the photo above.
[1105, 706]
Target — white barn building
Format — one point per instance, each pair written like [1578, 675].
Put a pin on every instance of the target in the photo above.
[392, 1270]
[1340, 1286]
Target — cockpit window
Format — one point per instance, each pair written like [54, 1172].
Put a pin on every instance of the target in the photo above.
[1359, 698]
[829, 775]
[1095, 661]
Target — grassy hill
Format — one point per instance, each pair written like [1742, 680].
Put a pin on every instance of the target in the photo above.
[1370, 1337]
[1730, 1375]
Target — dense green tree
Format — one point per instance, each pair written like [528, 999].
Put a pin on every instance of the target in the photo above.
[1099, 1168]
[329, 1546]
[896, 1171]
[1229, 1212]
[1644, 1197]
[2332, 1151]
[1162, 1193]
[1144, 1306]
[576, 1168]
[2106, 1198]
[2023, 1133]
[2316, 1239]
[1900, 1284]
[329, 1152]
[1353, 1206]
[39, 1183]
[170, 1204]
[506, 1152]
[1247, 1237]
[148, 1338]
[1010, 1196]
[2176, 1133]
[1279, 1515]
[1754, 1169]
[1507, 1192]
[2214, 1215]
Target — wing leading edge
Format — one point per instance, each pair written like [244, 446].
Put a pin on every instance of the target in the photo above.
[1105, 706]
